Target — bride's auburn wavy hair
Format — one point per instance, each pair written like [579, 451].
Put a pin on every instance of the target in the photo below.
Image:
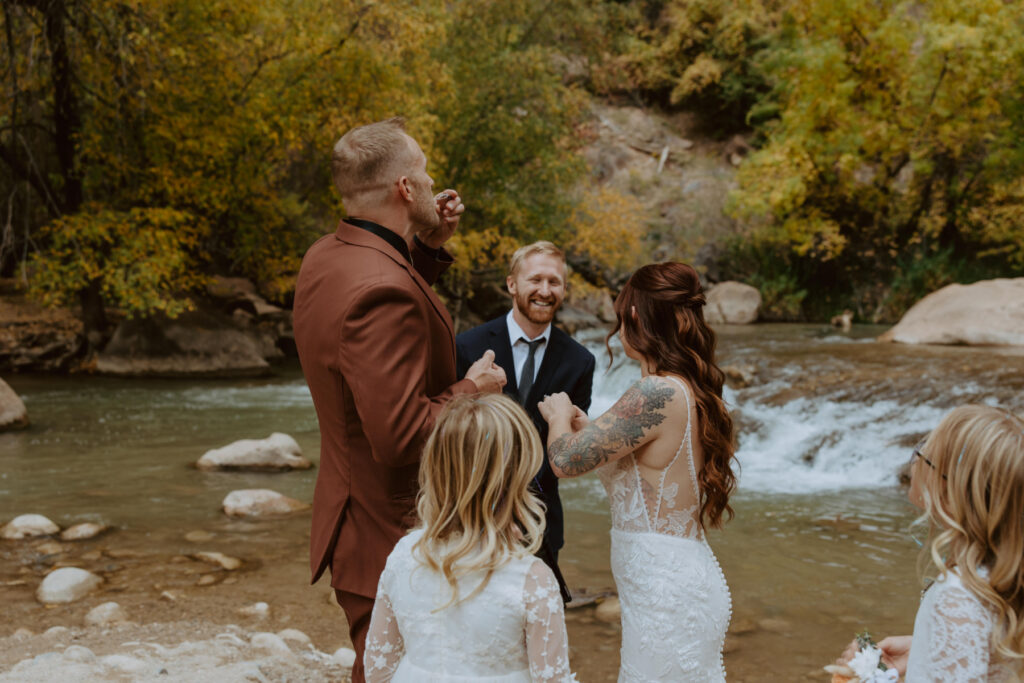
[475, 506]
[974, 504]
[669, 330]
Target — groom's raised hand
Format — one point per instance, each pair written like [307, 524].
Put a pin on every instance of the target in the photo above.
[449, 208]
[488, 376]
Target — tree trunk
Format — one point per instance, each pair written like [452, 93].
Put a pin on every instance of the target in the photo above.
[67, 123]
[94, 315]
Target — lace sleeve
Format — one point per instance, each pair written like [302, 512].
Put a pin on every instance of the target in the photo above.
[384, 644]
[547, 644]
[959, 629]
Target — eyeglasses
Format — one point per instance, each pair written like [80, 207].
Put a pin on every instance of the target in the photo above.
[918, 454]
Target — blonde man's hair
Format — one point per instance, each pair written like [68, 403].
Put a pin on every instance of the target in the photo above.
[541, 247]
[475, 506]
[974, 505]
[364, 156]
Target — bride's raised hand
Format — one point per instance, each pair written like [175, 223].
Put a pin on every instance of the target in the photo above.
[557, 407]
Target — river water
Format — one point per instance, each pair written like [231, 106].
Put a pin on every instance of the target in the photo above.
[820, 547]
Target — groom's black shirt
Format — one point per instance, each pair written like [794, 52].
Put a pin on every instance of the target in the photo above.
[567, 366]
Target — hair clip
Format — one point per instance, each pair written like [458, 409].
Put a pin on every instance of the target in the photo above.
[961, 456]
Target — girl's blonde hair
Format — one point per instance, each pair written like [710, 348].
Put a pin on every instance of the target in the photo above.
[974, 503]
[475, 507]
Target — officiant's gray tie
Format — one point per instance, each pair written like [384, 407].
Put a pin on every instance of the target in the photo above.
[526, 378]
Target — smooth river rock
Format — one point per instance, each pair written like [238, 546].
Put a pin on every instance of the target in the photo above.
[732, 303]
[345, 657]
[12, 409]
[107, 613]
[67, 584]
[986, 313]
[609, 611]
[82, 531]
[276, 452]
[28, 526]
[259, 503]
[220, 560]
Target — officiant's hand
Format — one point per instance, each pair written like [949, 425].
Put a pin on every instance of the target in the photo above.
[488, 376]
[557, 407]
[449, 211]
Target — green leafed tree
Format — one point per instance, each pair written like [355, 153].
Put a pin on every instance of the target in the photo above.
[897, 155]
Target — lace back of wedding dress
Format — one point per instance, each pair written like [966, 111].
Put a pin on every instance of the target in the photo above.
[670, 504]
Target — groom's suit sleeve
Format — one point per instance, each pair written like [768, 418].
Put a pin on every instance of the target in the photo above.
[382, 353]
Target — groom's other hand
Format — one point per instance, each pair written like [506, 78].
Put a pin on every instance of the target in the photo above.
[449, 210]
[488, 377]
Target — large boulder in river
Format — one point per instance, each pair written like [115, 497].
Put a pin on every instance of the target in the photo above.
[12, 409]
[260, 503]
[732, 303]
[66, 584]
[276, 452]
[28, 526]
[194, 344]
[990, 312]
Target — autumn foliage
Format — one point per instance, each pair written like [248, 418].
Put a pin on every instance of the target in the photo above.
[147, 145]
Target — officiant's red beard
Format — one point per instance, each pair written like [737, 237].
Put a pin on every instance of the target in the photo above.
[538, 309]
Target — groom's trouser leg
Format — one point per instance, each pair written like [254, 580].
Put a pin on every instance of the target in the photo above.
[358, 609]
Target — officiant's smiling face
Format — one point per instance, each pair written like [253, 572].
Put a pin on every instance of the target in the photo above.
[538, 287]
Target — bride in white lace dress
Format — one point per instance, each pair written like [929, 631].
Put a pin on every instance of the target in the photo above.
[462, 598]
[968, 478]
[664, 454]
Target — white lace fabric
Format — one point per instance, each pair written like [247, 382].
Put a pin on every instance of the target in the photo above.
[669, 504]
[952, 638]
[512, 631]
[675, 601]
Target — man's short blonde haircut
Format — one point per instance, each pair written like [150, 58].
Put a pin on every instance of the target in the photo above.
[541, 247]
[363, 156]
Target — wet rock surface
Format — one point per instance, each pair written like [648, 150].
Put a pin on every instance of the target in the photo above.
[990, 312]
[260, 503]
[276, 452]
[12, 409]
[67, 584]
[28, 526]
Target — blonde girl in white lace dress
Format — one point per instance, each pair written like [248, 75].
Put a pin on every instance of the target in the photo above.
[462, 598]
[664, 452]
[968, 477]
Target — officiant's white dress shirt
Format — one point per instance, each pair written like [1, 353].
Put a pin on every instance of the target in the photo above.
[520, 349]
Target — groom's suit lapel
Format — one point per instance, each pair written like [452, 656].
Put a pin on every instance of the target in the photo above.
[502, 346]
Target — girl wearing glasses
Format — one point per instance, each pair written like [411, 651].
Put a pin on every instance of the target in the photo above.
[968, 478]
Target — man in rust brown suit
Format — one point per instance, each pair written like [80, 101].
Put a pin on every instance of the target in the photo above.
[378, 351]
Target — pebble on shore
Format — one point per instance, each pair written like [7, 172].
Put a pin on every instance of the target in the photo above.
[82, 531]
[260, 502]
[28, 526]
[66, 584]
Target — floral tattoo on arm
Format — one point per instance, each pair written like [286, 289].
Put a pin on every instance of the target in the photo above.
[624, 425]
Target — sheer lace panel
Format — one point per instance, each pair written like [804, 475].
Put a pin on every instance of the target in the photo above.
[384, 645]
[952, 638]
[669, 503]
[547, 644]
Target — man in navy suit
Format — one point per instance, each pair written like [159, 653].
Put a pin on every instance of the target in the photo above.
[537, 358]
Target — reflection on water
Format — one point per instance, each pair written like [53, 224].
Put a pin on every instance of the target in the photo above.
[823, 430]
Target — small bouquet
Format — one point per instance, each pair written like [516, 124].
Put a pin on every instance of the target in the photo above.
[865, 667]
